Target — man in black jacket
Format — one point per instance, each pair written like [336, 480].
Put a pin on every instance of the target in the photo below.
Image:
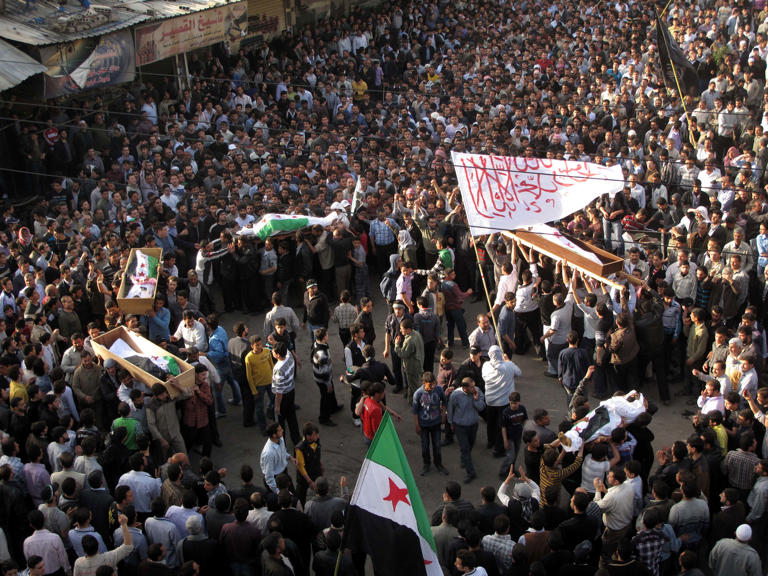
[317, 311]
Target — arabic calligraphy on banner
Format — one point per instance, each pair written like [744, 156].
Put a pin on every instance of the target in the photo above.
[178, 35]
[506, 193]
[88, 63]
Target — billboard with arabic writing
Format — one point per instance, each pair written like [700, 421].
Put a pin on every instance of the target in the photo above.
[178, 35]
[88, 63]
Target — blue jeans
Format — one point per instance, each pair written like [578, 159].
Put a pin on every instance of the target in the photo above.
[227, 377]
[456, 318]
[612, 232]
[312, 328]
[465, 436]
[510, 456]
[431, 435]
[258, 404]
[553, 356]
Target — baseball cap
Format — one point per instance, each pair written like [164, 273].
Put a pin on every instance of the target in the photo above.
[311, 282]
[398, 304]
[474, 350]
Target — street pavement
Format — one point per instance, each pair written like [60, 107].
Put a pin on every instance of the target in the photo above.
[343, 448]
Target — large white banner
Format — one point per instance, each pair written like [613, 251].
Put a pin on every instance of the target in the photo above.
[506, 193]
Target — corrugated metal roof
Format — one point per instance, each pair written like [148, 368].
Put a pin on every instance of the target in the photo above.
[16, 67]
[45, 23]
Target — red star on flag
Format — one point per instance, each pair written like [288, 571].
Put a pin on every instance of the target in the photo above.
[396, 495]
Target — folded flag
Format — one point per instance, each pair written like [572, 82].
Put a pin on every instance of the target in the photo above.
[386, 518]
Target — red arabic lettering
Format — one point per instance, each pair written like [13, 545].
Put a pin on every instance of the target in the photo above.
[570, 173]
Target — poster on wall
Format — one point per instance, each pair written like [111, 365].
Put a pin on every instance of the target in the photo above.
[265, 19]
[88, 63]
[185, 33]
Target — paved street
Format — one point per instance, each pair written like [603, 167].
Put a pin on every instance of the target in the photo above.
[343, 447]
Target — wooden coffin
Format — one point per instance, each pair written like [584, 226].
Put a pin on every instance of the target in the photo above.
[609, 263]
[138, 306]
[101, 345]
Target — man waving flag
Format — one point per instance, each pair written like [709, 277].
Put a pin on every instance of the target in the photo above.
[387, 520]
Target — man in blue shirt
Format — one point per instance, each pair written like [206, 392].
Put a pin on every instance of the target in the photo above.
[572, 364]
[218, 353]
[506, 325]
[428, 412]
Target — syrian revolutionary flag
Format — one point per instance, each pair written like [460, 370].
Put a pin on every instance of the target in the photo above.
[146, 266]
[386, 518]
[273, 224]
[141, 275]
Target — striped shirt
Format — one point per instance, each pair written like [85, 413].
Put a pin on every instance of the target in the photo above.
[555, 476]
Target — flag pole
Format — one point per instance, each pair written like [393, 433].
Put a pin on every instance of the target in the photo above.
[338, 562]
[485, 289]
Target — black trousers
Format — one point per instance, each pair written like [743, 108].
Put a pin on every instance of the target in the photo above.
[525, 321]
[327, 401]
[355, 395]
[493, 428]
[429, 355]
[288, 415]
[193, 436]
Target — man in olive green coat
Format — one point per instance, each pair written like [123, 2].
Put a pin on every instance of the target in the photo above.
[410, 347]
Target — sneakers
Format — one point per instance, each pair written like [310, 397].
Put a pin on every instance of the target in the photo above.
[469, 477]
[232, 402]
[221, 415]
[357, 422]
[330, 423]
[425, 469]
[441, 469]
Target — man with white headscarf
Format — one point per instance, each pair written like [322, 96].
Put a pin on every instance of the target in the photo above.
[499, 376]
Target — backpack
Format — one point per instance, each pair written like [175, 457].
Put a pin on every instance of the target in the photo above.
[388, 286]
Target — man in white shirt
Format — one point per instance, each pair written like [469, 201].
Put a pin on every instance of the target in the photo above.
[191, 333]
[274, 457]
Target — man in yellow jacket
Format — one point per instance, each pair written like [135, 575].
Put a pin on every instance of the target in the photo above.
[258, 372]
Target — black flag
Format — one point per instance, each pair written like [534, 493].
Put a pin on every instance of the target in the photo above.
[678, 71]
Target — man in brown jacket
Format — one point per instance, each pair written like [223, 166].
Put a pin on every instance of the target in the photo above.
[623, 346]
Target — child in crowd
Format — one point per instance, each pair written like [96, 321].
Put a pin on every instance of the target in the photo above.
[512, 419]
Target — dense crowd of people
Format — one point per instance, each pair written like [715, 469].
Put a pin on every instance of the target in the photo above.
[357, 118]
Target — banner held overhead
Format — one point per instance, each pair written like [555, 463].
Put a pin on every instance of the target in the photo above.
[185, 33]
[505, 192]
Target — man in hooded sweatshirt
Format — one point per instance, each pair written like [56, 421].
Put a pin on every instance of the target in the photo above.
[499, 375]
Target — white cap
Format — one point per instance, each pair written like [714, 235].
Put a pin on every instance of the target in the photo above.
[337, 206]
[232, 147]
[345, 204]
[744, 533]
